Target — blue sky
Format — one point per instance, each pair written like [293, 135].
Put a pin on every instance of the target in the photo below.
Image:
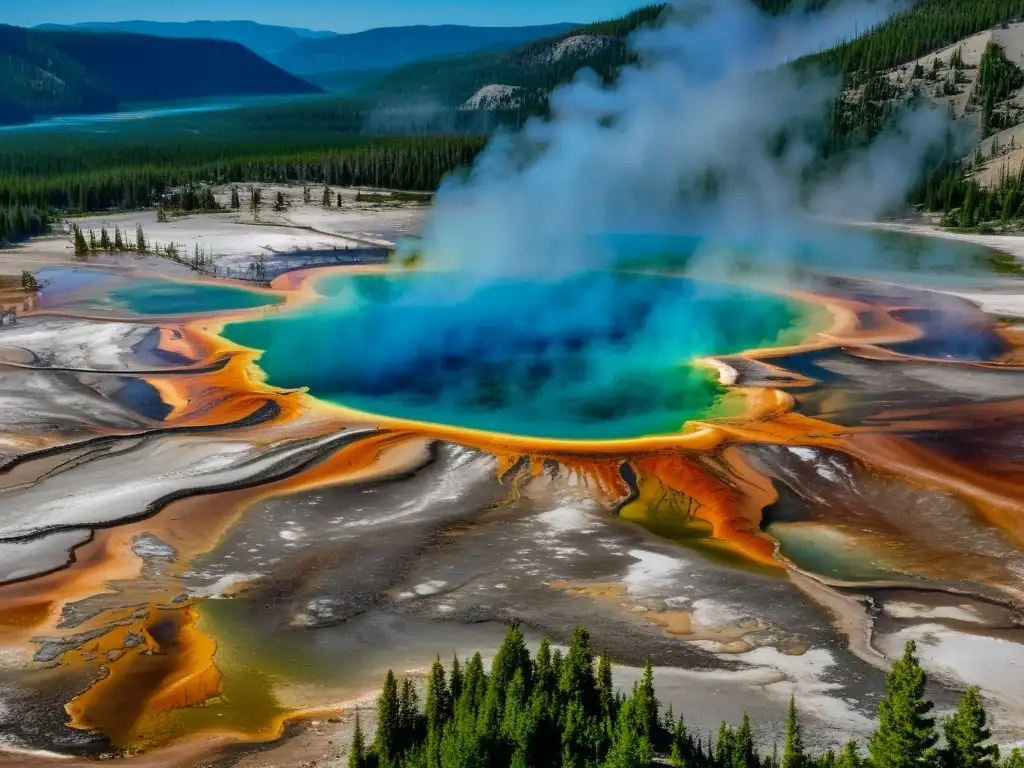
[338, 15]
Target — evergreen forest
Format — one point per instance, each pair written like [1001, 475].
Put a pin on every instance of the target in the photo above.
[562, 711]
[341, 141]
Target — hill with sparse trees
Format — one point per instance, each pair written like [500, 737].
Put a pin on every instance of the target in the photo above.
[83, 72]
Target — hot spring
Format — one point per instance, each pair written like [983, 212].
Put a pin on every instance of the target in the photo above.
[593, 356]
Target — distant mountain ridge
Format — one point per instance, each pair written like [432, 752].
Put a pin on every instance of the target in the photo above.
[263, 39]
[517, 78]
[46, 72]
[390, 47]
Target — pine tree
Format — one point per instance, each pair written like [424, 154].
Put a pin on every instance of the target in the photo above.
[744, 755]
[906, 736]
[357, 753]
[544, 675]
[81, 246]
[408, 716]
[455, 686]
[606, 690]
[437, 704]
[474, 684]
[517, 729]
[578, 747]
[793, 752]
[118, 240]
[489, 723]
[236, 202]
[255, 201]
[388, 739]
[723, 746]
[647, 702]
[140, 239]
[577, 678]
[512, 657]
[326, 199]
[967, 736]
[306, 196]
[850, 757]
[632, 747]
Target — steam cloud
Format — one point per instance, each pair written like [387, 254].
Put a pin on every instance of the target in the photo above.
[707, 101]
[522, 328]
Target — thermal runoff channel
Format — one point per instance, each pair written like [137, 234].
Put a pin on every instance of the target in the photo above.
[596, 355]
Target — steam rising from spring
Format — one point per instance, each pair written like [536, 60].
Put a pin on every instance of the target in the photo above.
[685, 141]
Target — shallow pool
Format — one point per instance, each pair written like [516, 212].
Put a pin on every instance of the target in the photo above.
[592, 356]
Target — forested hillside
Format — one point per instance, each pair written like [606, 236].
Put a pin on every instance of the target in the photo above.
[953, 57]
[58, 72]
[37, 77]
[355, 141]
[93, 174]
[390, 47]
[529, 73]
[535, 68]
[925, 27]
[264, 39]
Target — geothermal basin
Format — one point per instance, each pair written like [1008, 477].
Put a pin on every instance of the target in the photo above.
[228, 510]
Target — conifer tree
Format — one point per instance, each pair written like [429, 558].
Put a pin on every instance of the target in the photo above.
[632, 747]
[723, 746]
[545, 678]
[255, 201]
[606, 690]
[582, 736]
[326, 200]
[437, 704]
[357, 752]
[474, 684]
[517, 728]
[387, 742]
[489, 724]
[511, 657]
[236, 202]
[647, 702]
[578, 747]
[140, 239]
[744, 755]
[81, 246]
[455, 686]
[906, 735]
[967, 736]
[793, 752]
[408, 716]
[118, 240]
[850, 757]
[577, 678]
